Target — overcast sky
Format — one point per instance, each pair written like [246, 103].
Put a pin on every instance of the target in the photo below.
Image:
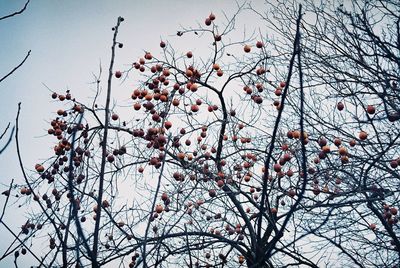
[69, 40]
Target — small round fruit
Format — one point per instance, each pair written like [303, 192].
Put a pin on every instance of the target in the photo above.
[340, 106]
[258, 99]
[118, 74]
[194, 87]
[114, 117]
[189, 73]
[212, 193]
[148, 56]
[211, 16]
[216, 66]
[352, 143]
[277, 167]
[168, 124]
[370, 109]
[259, 44]
[247, 48]
[110, 158]
[342, 150]
[278, 92]
[393, 116]
[394, 164]
[159, 209]
[337, 141]
[326, 149]
[393, 211]
[363, 135]
[175, 102]
[292, 193]
[194, 108]
[39, 168]
[322, 141]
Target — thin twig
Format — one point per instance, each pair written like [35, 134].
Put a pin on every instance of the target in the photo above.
[5, 130]
[15, 68]
[270, 148]
[16, 12]
[104, 148]
[74, 204]
[153, 206]
[6, 202]
[279, 235]
[8, 141]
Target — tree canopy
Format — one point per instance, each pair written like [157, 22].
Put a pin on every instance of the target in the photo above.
[280, 149]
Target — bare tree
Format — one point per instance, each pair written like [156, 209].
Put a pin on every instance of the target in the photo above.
[351, 63]
[266, 152]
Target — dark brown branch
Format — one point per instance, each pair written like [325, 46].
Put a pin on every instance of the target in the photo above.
[272, 244]
[7, 194]
[5, 130]
[74, 204]
[269, 150]
[104, 148]
[15, 68]
[8, 141]
[16, 12]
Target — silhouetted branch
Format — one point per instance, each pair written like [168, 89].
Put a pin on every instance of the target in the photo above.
[9, 138]
[15, 68]
[16, 13]
[104, 148]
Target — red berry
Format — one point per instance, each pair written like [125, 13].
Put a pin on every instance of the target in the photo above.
[340, 106]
